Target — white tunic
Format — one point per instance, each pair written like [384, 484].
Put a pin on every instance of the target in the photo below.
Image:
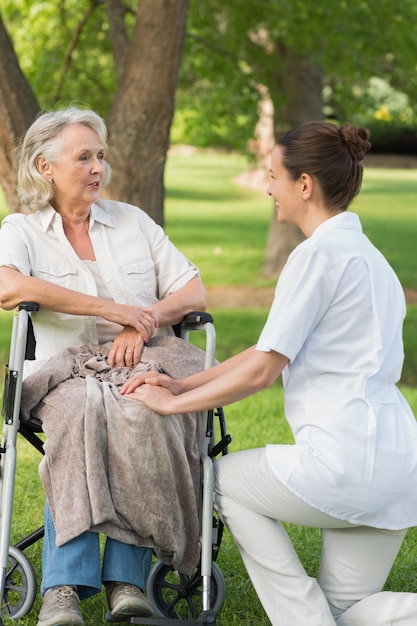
[137, 262]
[337, 315]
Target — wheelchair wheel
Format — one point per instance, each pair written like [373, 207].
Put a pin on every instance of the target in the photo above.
[178, 596]
[20, 585]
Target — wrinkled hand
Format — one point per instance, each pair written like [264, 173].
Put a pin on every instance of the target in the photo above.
[144, 320]
[126, 349]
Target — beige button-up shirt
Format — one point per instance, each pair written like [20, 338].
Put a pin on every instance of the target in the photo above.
[138, 264]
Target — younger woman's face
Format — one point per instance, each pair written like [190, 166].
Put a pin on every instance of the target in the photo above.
[285, 191]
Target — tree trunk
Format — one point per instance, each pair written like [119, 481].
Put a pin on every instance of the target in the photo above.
[301, 83]
[18, 109]
[140, 119]
[116, 13]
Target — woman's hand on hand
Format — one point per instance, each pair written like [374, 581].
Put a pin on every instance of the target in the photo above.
[126, 349]
[153, 389]
[154, 379]
[158, 399]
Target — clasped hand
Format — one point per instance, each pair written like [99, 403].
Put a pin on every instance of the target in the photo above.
[139, 326]
[144, 320]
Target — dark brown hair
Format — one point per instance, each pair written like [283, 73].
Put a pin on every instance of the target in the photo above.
[330, 154]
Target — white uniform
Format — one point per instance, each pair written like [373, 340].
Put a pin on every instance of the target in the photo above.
[337, 315]
[352, 472]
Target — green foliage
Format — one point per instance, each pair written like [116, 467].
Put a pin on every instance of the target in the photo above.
[386, 112]
[218, 93]
[231, 48]
[43, 36]
[377, 100]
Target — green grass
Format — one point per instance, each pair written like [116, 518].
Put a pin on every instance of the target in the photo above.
[387, 209]
[223, 229]
[220, 226]
[5, 330]
[252, 422]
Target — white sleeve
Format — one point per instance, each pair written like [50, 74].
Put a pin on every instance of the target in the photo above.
[13, 247]
[302, 296]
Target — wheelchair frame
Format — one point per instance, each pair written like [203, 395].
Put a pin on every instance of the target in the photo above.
[13, 559]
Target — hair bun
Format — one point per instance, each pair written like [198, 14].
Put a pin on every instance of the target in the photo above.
[356, 140]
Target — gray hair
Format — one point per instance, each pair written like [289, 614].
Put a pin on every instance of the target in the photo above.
[43, 139]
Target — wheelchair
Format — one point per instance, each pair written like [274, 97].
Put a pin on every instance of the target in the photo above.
[176, 598]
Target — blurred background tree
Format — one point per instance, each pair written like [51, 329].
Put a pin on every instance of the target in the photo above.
[280, 62]
[119, 59]
[347, 61]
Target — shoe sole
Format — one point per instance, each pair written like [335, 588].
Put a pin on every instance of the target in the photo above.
[124, 617]
[65, 622]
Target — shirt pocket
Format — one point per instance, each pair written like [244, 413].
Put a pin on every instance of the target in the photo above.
[59, 274]
[141, 278]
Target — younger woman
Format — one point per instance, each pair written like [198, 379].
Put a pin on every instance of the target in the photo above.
[335, 333]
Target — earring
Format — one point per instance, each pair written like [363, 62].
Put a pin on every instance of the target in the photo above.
[51, 180]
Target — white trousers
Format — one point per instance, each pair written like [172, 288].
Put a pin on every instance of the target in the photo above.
[355, 560]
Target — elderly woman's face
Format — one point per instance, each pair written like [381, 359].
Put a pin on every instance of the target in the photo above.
[79, 173]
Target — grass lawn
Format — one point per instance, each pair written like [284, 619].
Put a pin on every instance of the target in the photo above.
[223, 229]
[220, 226]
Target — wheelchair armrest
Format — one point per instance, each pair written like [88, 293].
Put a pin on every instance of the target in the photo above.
[192, 321]
[197, 317]
[28, 306]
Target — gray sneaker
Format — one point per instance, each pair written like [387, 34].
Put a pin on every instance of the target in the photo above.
[126, 601]
[60, 607]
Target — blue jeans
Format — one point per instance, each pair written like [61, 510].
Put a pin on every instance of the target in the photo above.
[77, 562]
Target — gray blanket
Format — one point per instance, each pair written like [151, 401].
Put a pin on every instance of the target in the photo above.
[111, 464]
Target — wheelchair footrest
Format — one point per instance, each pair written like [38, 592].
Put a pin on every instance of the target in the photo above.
[206, 618]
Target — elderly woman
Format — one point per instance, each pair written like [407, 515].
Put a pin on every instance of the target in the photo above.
[334, 332]
[103, 273]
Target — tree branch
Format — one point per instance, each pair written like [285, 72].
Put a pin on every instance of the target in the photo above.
[72, 45]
